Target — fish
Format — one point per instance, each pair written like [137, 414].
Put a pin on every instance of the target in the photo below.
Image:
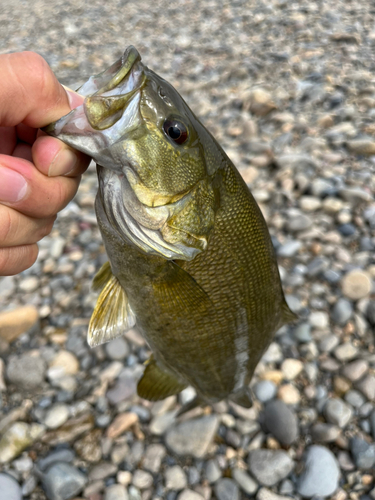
[191, 262]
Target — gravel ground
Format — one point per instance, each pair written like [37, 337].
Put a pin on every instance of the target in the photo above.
[288, 89]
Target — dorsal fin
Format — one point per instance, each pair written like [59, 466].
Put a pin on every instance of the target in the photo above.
[157, 384]
[112, 315]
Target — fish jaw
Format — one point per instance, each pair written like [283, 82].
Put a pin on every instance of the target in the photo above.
[109, 113]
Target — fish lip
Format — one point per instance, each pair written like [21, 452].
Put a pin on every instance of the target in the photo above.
[124, 80]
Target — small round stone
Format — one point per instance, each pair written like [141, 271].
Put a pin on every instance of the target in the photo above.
[142, 479]
[175, 478]
[321, 473]
[325, 433]
[212, 470]
[26, 371]
[270, 466]
[265, 390]
[337, 412]
[289, 394]
[355, 370]
[63, 481]
[291, 368]
[342, 312]
[363, 453]
[116, 492]
[9, 488]
[226, 489]
[56, 416]
[356, 284]
[281, 422]
[246, 482]
[117, 349]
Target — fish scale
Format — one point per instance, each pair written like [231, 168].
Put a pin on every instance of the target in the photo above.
[191, 259]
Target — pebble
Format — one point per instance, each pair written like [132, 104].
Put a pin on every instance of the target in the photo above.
[367, 387]
[291, 368]
[17, 438]
[226, 489]
[192, 437]
[116, 492]
[269, 466]
[26, 371]
[175, 478]
[121, 423]
[63, 481]
[319, 319]
[345, 352]
[142, 479]
[337, 412]
[289, 394]
[266, 494]
[309, 203]
[29, 284]
[342, 312]
[56, 416]
[289, 249]
[325, 433]
[88, 447]
[63, 455]
[302, 333]
[17, 321]
[212, 471]
[117, 349]
[246, 482]
[189, 495]
[9, 488]
[281, 422]
[265, 390]
[363, 453]
[356, 284]
[161, 423]
[321, 473]
[153, 457]
[355, 370]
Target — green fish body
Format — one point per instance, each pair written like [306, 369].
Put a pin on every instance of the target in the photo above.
[191, 260]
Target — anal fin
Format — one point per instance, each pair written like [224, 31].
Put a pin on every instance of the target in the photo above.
[157, 384]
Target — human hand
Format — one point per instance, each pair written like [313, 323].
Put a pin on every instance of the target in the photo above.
[39, 174]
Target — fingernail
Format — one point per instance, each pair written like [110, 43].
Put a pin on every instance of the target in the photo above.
[75, 99]
[13, 186]
[63, 163]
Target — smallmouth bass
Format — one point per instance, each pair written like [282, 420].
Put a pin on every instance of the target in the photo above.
[191, 262]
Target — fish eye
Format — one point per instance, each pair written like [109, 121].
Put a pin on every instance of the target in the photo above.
[176, 131]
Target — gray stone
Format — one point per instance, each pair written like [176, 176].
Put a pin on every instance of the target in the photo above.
[246, 482]
[281, 422]
[142, 479]
[9, 488]
[367, 387]
[269, 466]
[302, 333]
[342, 311]
[124, 388]
[265, 390]
[63, 455]
[153, 457]
[56, 416]
[63, 481]
[355, 370]
[337, 412]
[189, 495]
[227, 489]
[192, 437]
[175, 478]
[117, 348]
[266, 494]
[325, 433]
[345, 352]
[354, 398]
[298, 221]
[363, 453]
[321, 473]
[26, 371]
[289, 249]
[212, 470]
[18, 437]
[116, 492]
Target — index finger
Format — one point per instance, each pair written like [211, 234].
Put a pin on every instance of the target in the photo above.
[29, 91]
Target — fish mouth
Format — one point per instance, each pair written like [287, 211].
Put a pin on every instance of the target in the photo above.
[109, 112]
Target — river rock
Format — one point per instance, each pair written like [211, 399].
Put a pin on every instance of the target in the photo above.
[63, 481]
[269, 466]
[18, 437]
[226, 489]
[356, 284]
[321, 473]
[337, 412]
[9, 488]
[192, 437]
[17, 321]
[281, 422]
[26, 371]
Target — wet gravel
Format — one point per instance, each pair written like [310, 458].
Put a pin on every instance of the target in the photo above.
[288, 89]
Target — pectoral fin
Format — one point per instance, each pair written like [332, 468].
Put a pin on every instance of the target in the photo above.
[112, 315]
[157, 384]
